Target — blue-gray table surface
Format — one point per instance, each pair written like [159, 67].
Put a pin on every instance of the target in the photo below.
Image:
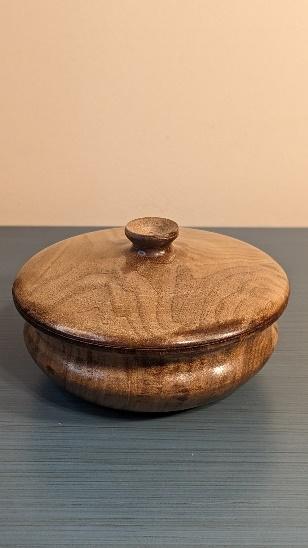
[232, 474]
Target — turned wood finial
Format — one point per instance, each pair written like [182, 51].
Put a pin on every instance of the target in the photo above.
[151, 232]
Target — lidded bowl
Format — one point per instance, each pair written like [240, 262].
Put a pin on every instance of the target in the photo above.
[150, 317]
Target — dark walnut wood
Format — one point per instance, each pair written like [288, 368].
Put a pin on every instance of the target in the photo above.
[151, 233]
[150, 318]
[148, 383]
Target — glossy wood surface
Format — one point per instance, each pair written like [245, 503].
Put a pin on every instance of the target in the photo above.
[149, 384]
[232, 474]
[204, 289]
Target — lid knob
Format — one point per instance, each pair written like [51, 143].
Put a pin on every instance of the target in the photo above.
[151, 232]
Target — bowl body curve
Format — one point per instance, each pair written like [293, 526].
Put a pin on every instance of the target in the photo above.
[148, 383]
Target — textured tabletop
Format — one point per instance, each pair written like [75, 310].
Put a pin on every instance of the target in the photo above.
[233, 474]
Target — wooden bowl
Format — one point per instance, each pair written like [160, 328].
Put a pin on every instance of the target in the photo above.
[151, 321]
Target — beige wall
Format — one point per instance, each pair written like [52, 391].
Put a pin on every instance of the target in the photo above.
[196, 110]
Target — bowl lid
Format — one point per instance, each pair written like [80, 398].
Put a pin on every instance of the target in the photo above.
[134, 289]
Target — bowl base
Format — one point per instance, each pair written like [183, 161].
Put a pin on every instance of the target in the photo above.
[146, 383]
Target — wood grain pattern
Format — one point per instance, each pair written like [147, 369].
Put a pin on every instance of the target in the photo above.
[205, 289]
[145, 383]
[202, 307]
[233, 475]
